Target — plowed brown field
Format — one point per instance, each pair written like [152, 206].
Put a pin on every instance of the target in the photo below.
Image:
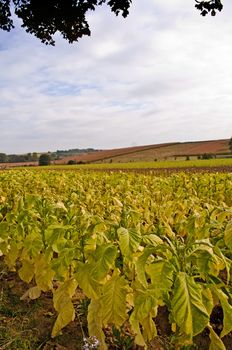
[153, 152]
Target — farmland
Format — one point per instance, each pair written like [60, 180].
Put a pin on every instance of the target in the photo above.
[174, 153]
[221, 164]
[156, 152]
[135, 260]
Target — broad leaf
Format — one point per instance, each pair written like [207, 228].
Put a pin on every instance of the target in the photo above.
[129, 241]
[135, 325]
[152, 240]
[26, 272]
[140, 264]
[86, 280]
[43, 274]
[95, 322]
[113, 301]
[62, 300]
[216, 343]
[207, 299]
[145, 308]
[149, 328]
[227, 312]
[161, 274]
[105, 256]
[228, 235]
[188, 309]
[145, 300]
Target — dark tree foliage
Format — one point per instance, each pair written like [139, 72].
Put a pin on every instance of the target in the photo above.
[230, 144]
[44, 159]
[211, 7]
[44, 18]
[3, 158]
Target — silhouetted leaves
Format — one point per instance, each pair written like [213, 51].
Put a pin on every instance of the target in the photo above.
[44, 18]
[6, 22]
[209, 7]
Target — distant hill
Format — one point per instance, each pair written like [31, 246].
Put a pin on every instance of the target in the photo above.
[173, 150]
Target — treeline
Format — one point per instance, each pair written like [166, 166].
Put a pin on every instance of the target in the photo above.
[74, 151]
[34, 157]
[18, 158]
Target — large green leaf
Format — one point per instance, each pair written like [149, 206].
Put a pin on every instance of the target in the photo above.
[215, 342]
[161, 274]
[86, 280]
[32, 244]
[104, 256]
[44, 274]
[145, 300]
[26, 272]
[12, 255]
[149, 327]
[95, 322]
[207, 299]
[140, 264]
[129, 241]
[62, 301]
[145, 308]
[188, 309]
[151, 239]
[228, 235]
[227, 312]
[113, 301]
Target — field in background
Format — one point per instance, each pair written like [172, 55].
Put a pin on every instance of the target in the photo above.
[204, 163]
[150, 153]
[155, 156]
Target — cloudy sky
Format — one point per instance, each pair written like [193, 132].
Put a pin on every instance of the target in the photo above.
[163, 74]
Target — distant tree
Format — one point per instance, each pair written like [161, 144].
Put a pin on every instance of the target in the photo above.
[44, 18]
[28, 157]
[207, 156]
[230, 144]
[3, 158]
[17, 158]
[44, 159]
[34, 156]
[72, 162]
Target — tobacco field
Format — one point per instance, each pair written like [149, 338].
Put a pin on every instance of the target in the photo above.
[137, 248]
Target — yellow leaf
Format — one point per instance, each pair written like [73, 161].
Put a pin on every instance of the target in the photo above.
[95, 323]
[216, 343]
[66, 315]
[188, 309]
[113, 301]
[34, 293]
[26, 272]
[43, 274]
[62, 300]
[87, 281]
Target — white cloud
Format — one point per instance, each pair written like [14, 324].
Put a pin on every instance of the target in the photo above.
[163, 74]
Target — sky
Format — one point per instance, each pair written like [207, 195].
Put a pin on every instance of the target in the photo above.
[163, 74]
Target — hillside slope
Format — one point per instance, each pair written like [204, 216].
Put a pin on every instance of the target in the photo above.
[175, 150]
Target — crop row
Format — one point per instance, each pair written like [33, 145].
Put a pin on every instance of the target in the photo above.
[133, 244]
